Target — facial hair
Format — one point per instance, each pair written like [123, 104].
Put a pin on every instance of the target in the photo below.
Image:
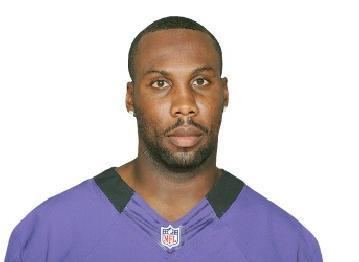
[179, 161]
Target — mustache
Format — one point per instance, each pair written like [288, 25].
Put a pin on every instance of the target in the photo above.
[188, 121]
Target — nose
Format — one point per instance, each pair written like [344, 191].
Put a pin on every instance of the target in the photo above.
[184, 102]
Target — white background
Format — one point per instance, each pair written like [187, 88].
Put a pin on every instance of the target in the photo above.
[290, 132]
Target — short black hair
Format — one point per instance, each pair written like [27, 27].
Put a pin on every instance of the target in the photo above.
[169, 22]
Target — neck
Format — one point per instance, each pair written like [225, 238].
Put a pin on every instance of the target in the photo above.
[158, 179]
[165, 189]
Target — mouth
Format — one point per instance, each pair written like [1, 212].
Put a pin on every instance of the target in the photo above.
[185, 136]
[184, 141]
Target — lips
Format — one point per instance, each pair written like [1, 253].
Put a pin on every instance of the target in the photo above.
[185, 136]
[184, 131]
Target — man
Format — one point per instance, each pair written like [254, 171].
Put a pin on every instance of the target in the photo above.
[172, 202]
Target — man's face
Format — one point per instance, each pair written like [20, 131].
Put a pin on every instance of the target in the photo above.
[178, 96]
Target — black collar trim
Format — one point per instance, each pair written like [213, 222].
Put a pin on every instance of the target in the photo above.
[221, 196]
[116, 190]
[224, 192]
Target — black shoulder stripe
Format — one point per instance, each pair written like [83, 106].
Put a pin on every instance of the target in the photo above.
[114, 188]
[224, 192]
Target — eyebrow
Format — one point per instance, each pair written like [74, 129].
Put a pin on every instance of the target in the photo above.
[165, 73]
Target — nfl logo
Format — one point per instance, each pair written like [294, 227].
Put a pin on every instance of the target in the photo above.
[170, 236]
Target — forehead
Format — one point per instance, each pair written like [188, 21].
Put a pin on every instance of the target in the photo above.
[175, 49]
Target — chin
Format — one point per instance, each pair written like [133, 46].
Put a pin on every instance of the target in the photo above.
[179, 159]
[182, 161]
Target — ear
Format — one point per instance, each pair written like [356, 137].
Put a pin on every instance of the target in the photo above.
[129, 96]
[225, 91]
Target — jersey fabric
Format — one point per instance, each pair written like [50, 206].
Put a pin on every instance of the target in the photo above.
[103, 219]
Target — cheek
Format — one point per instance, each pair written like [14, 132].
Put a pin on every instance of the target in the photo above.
[210, 108]
[211, 115]
[153, 116]
[157, 111]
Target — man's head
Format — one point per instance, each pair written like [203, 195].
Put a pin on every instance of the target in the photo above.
[170, 22]
[177, 92]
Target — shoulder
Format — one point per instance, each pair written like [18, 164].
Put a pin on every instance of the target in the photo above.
[56, 223]
[270, 227]
[59, 208]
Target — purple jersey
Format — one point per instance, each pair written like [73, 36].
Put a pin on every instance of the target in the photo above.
[103, 219]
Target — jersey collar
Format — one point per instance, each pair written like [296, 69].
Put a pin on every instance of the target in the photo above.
[220, 197]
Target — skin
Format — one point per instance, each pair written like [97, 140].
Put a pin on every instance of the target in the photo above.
[177, 83]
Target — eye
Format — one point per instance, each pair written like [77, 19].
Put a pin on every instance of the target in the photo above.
[160, 84]
[200, 82]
